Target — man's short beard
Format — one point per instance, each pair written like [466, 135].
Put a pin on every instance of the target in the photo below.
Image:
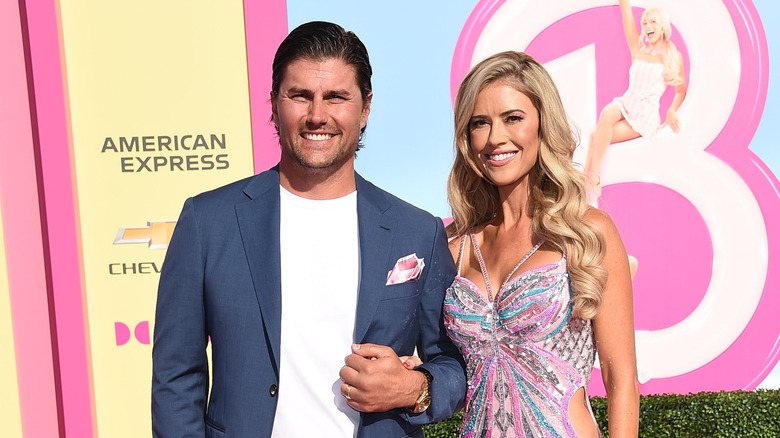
[335, 161]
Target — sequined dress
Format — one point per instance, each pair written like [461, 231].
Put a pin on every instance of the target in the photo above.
[526, 355]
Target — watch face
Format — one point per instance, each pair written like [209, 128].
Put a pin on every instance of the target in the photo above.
[423, 405]
[425, 397]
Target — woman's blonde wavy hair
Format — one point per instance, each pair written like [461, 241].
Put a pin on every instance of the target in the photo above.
[558, 192]
[670, 56]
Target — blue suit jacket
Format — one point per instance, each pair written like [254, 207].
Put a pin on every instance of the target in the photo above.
[221, 280]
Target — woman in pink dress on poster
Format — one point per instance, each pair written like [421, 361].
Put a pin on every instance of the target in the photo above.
[655, 64]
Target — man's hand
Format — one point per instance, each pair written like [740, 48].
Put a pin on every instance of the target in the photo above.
[375, 380]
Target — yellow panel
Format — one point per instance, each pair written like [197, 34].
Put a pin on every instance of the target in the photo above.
[159, 106]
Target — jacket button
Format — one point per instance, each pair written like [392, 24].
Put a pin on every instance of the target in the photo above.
[272, 390]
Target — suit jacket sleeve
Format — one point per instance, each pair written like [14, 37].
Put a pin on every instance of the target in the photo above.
[439, 355]
[179, 362]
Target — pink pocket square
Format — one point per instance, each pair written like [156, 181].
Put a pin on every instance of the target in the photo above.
[406, 269]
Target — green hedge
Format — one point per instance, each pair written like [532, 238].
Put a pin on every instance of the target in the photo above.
[743, 414]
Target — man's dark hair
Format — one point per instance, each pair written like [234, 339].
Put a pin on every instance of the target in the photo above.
[319, 40]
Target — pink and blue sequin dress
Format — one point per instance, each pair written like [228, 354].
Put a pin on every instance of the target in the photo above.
[526, 355]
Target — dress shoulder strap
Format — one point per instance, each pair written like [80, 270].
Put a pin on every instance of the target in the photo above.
[460, 253]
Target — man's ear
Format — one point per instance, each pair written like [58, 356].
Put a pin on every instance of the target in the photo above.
[274, 112]
[366, 110]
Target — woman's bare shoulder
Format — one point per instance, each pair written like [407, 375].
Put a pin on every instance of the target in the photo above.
[602, 221]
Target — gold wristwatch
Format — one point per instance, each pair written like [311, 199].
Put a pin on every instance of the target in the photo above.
[424, 400]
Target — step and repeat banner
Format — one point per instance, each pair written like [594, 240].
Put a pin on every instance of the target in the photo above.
[117, 112]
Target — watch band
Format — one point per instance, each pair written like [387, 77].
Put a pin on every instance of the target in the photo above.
[424, 399]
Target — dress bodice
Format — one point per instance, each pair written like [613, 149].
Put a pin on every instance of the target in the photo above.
[642, 100]
[646, 79]
[526, 355]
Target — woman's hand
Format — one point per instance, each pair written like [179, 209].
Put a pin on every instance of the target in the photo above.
[672, 120]
[410, 362]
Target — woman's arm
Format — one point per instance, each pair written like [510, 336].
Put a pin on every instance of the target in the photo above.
[629, 26]
[613, 329]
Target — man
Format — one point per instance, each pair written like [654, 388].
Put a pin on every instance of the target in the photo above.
[287, 270]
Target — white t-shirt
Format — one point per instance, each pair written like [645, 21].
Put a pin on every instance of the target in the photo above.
[320, 277]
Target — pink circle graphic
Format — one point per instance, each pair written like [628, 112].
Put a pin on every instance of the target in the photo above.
[122, 333]
[665, 258]
[142, 332]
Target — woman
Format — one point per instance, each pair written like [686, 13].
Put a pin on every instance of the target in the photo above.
[655, 64]
[543, 279]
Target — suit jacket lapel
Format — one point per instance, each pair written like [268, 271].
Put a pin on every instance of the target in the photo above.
[258, 222]
[376, 231]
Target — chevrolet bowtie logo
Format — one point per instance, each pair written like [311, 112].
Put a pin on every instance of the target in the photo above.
[157, 234]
